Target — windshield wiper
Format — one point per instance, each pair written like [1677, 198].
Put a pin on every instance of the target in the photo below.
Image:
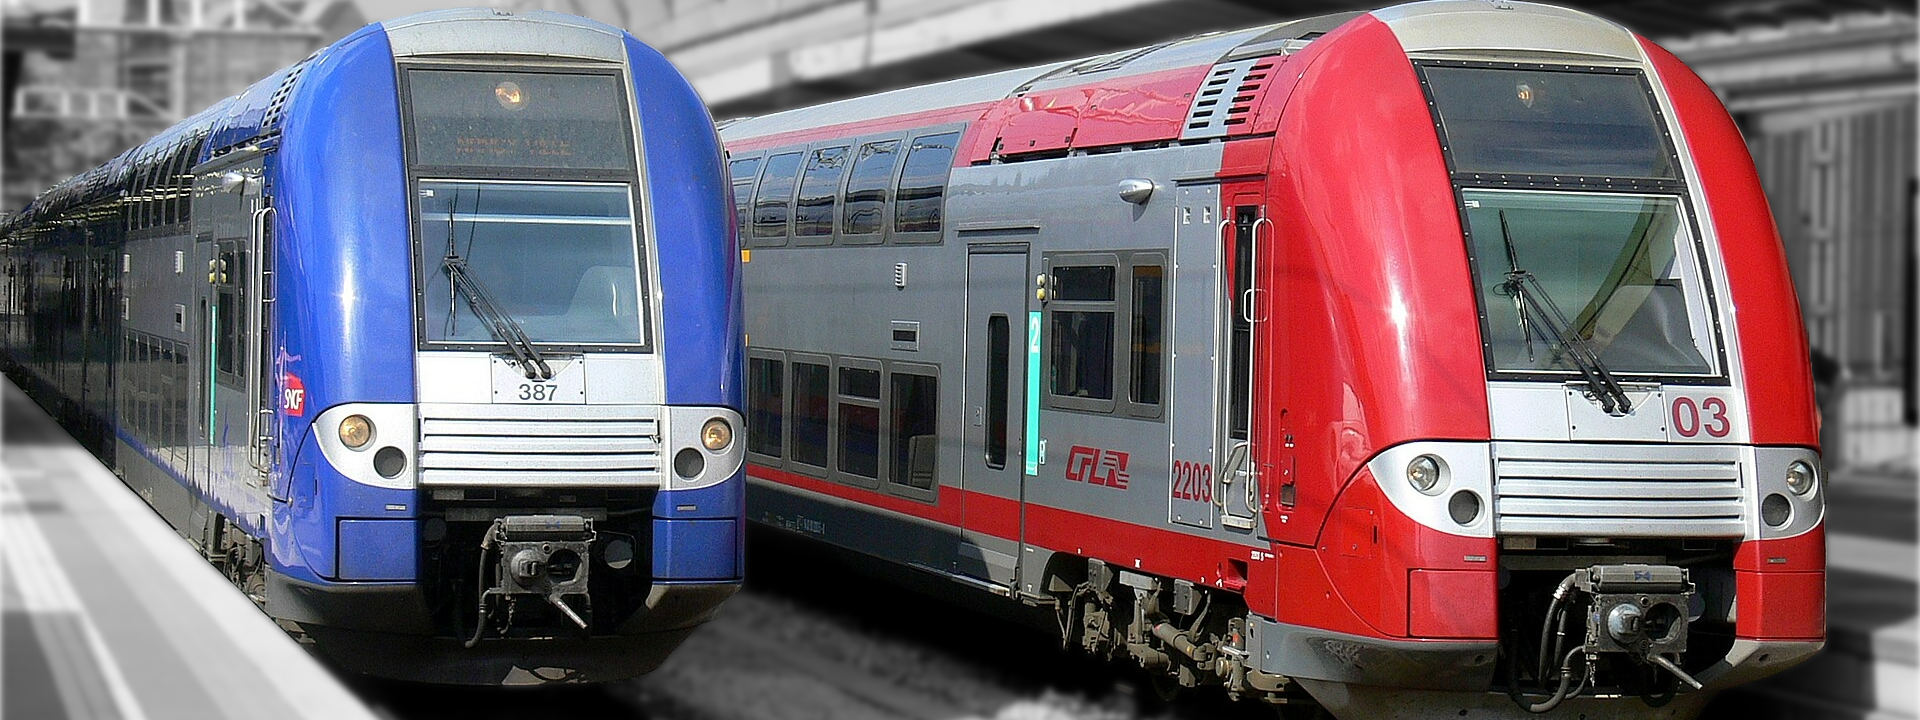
[501, 325]
[1529, 296]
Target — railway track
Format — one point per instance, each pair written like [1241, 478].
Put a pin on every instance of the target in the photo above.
[812, 639]
[809, 639]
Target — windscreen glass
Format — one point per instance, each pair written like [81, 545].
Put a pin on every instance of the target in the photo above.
[518, 120]
[558, 258]
[1620, 272]
[1547, 122]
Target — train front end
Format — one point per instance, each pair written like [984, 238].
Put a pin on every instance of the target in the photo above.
[1571, 419]
[510, 342]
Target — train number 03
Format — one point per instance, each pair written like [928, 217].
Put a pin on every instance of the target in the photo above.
[1709, 414]
[1192, 481]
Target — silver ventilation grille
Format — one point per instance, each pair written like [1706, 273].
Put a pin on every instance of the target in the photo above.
[540, 446]
[1560, 489]
[1227, 97]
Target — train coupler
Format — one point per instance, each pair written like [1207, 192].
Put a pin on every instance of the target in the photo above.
[1635, 610]
[535, 556]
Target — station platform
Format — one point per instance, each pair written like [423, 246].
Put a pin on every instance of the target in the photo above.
[109, 614]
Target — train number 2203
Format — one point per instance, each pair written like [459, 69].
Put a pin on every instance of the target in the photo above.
[1192, 481]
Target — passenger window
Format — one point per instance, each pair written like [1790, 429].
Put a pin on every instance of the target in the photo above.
[772, 204]
[923, 184]
[999, 345]
[1082, 332]
[766, 396]
[810, 409]
[169, 208]
[1240, 329]
[820, 192]
[860, 422]
[743, 172]
[227, 321]
[914, 410]
[867, 187]
[176, 354]
[1147, 322]
[181, 183]
[142, 188]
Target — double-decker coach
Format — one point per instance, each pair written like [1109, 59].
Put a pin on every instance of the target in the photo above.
[1440, 359]
[431, 341]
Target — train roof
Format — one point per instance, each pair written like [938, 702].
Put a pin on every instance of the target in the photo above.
[1435, 27]
[254, 114]
[1204, 49]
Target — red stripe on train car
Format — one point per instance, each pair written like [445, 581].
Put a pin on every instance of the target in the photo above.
[905, 121]
[1149, 549]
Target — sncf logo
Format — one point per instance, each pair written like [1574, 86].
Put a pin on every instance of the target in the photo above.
[293, 395]
[1095, 466]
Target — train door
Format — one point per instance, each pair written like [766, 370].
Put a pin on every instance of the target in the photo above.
[1000, 338]
[1238, 478]
[1195, 331]
[233, 242]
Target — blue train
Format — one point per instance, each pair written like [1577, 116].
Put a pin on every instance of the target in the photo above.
[431, 341]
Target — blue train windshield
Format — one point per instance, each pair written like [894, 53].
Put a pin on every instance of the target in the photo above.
[1621, 270]
[561, 259]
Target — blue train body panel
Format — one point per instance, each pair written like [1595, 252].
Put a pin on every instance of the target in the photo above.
[693, 216]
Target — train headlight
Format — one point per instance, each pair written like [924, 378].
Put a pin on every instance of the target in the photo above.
[1424, 473]
[716, 434]
[1800, 478]
[356, 431]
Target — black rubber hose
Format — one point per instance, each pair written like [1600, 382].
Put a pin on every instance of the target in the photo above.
[1560, 695]
[1554, 620]
[480, 616]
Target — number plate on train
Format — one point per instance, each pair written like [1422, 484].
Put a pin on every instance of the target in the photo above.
[568, 386]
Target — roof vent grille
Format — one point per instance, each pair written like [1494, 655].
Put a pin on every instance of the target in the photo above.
[1227, 98]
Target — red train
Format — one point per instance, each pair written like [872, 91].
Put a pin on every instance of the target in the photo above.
[1435, 359]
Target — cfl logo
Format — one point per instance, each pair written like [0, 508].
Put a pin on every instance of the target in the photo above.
[1095, 466]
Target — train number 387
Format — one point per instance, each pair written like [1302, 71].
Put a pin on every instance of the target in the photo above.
[1192, 481]
[539, 392]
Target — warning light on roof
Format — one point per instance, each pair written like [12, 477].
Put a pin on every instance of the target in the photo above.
[510, 95]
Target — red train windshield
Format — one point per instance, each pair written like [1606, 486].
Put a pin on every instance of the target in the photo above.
[1618, 272]
[1585, 261]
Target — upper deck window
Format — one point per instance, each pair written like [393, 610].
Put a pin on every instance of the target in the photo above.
[820, 192]
[867, 187]
[498, 119]
[1570, 124]
[923, 183]
[773, 202]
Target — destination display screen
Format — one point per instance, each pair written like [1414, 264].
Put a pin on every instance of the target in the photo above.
[1549, 122]
[519, 120]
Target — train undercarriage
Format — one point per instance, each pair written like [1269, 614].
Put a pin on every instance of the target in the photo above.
[1599, 627]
